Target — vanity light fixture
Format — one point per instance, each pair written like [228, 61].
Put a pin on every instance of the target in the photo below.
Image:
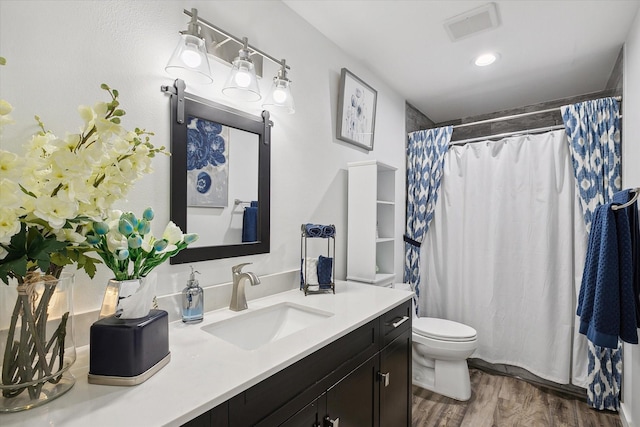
[486, 59]
[246, 63]
[242, 82]
[189, 60]
[280, 95]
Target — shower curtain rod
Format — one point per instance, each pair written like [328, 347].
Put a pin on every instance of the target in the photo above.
[515, 116]
[505, 134]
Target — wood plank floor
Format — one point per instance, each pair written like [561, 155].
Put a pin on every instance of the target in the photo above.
[498, 400]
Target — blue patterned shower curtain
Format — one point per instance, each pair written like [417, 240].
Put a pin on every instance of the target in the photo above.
[425, 159]
[593, 130]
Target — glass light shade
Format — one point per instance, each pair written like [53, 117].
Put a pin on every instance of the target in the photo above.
[189, 61]
[242, 82]
[280, 97]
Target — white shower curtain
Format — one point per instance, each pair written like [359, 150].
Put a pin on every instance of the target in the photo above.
[505, 253]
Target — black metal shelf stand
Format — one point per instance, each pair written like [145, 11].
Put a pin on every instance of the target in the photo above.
[316, 288]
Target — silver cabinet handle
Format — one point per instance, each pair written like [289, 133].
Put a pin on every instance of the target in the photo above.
[328, 422]
[400, 322]
[384, 377]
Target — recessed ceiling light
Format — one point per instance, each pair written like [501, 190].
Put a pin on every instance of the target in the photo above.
[486, 59]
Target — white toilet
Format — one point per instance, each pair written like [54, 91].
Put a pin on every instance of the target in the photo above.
[440, 351]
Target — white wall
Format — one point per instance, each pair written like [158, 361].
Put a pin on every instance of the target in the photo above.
[631, 178]
[59, 52]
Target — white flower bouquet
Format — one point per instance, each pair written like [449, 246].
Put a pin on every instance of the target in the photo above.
[51, 196]
[63, 184]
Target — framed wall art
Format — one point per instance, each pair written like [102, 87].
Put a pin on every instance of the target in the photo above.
[356, 111]
[207, 163]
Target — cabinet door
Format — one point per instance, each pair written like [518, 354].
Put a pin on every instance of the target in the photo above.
[354, 399]
[395, 382]
[309, 416]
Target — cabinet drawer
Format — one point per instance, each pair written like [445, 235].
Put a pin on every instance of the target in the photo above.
[395, 322]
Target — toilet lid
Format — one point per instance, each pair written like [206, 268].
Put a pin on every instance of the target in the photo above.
[443, 329]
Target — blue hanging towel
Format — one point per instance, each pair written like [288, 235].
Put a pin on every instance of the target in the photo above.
[622, 197]
[606, 303]
[250, 223]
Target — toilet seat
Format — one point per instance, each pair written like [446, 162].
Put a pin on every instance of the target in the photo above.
[443, 329]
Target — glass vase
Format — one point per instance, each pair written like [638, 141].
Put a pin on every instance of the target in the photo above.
[36, 341]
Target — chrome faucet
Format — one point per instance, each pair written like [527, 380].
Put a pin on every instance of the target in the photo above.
[238, 298]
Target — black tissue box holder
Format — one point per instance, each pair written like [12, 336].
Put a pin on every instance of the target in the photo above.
[128, 351]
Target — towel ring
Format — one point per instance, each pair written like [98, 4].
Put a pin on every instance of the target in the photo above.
[630, 202]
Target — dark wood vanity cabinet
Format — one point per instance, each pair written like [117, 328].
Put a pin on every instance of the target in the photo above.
[362, 379]
[396, 396]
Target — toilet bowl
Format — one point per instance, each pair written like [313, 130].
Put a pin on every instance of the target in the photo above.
[440, 351]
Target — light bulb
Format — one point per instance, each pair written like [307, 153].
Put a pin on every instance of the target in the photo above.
[279, 95]
[190, 56]
[243, 78]
[486, 59]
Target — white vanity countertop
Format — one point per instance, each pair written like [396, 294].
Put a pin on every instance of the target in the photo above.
[205, 371]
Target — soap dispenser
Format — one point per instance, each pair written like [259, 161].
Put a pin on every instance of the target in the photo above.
[192, 300]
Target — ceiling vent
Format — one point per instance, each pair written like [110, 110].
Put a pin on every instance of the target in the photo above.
[475, 21]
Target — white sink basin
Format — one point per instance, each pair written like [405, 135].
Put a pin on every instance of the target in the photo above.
[255, 328]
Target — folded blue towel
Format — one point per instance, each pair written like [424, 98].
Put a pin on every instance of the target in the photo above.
[325, 268]
[254, 203]
[250, 224]
[328, 231]
[313, 230]
[319, 230]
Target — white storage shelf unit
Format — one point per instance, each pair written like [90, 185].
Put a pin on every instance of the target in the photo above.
[371, 223]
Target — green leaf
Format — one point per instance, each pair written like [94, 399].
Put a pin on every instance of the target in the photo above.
[43, 264]
[18, 267]
[115, 120]
[40, 249]
[27, 192]
[61, 260]
[3, 61]
[89, 265]
[19, 240]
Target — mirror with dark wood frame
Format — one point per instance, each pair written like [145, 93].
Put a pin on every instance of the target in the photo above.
[220, 177]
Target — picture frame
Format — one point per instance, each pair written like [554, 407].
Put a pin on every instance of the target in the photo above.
[356, 111]
[244, 129]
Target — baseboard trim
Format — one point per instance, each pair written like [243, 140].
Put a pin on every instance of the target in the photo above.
[625, 416]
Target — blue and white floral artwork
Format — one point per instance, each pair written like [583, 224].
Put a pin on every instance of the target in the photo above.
[207, 163]
[356, 111]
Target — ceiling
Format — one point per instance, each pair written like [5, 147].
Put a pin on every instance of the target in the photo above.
[548, 49]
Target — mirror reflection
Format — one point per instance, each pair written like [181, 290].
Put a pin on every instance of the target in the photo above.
[222, 183]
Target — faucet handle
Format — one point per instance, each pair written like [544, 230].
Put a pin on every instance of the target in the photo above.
[238, 268]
